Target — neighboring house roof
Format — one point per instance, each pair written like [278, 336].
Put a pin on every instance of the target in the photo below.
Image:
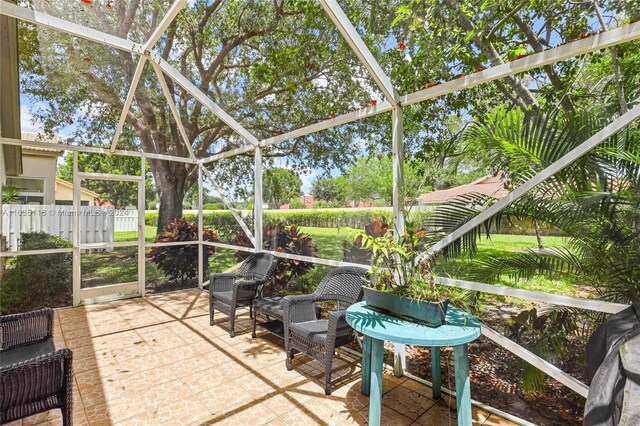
[493, 186]
[82, 190]
[308, 201]
[41, 138]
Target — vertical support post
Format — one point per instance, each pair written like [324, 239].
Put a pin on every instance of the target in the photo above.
[76, 232]
[397, 152]
[257, 199]
[142, 205]
[200, 230]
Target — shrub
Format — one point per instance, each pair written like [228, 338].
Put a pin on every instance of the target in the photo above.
[289, 239]
[353, 252]
[351, 218]
[35, 281]
[180, 263]
[221, 220]
[297, 204]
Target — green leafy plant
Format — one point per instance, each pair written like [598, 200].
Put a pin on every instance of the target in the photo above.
[284, 239]
[402, 266]
[544, 333]
[180, 263]
[36, 281]
[353, 252]
[10, 195]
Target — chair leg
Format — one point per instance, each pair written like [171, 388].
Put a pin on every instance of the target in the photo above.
[211, 311]
[232, 322]
[289, 360]
[255, 320]
[328, 363]
[251, 310]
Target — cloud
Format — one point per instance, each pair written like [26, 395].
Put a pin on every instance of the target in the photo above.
[28, 122]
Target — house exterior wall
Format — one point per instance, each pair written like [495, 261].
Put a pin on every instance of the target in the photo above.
[44, 167]
[65, 193]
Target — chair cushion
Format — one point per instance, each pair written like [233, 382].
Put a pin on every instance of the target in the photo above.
[225, 296]
[26, 352]
[270, 305]
[313, 330]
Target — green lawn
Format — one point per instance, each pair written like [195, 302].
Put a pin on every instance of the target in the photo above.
[120, 265]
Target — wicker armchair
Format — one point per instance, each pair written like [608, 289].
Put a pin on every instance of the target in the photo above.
[227, 292]
[318, 338]
[34, 377]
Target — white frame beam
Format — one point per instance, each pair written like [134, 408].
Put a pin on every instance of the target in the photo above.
[201, 97]
[536, 60]
[174, 110]
[94, 150]
[226, 202]
[171, 14]
[45, 20]
[351, 36]
[137, 74]
[257, 199]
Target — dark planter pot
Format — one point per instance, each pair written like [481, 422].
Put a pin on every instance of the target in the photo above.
[431, 314]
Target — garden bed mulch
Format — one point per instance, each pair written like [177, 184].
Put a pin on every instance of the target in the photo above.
[496, 381]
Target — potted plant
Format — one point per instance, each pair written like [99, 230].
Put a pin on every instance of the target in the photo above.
[402, 281]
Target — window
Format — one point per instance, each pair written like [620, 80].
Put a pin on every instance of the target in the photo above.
[30, 190]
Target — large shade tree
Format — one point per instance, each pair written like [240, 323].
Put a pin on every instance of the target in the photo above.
[273, 66]
[277, 65]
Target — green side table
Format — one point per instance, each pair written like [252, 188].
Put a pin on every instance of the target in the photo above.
[460, 328]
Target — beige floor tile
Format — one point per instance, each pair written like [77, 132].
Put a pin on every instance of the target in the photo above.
[164, 394]
[183, 412]
[158, 361]
[150, 378]
[204, 380]
[224, 395]
[409, 403]
[248, 415]
[388, 417]
[312, 412]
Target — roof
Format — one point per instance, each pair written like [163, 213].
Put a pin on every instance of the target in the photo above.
[70, 185]
[494, 186]
[38, 137]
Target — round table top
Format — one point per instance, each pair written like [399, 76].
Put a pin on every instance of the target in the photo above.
[460, 327]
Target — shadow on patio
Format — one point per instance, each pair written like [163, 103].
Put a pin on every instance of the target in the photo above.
[156, 360]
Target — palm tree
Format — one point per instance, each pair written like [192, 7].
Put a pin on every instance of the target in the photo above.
[594, 202]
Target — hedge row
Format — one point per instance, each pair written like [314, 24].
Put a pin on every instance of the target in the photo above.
[226, 226]
[224, 222]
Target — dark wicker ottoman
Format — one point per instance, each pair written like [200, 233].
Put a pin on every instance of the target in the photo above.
[271, 307]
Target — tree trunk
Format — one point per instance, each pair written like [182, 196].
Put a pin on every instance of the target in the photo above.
[171, 179]
[538, 236]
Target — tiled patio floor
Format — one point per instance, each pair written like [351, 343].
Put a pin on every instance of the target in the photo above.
[158, 361]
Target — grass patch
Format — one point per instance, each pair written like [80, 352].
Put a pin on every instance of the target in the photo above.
[120, 265]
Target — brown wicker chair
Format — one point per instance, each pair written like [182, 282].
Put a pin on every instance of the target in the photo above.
[34, 376]
[318, 338]
[227, 292]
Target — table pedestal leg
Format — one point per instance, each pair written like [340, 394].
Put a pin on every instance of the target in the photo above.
[366, 366]
[375, 398]
[463, 386]
[436, 388]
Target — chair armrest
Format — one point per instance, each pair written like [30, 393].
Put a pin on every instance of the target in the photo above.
[299, 308]
[44, 375]
[25, 328]
[221, 282]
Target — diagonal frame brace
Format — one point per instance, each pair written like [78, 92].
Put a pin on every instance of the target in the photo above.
[351, 36]
[573, 155]
[176, 7]
[174, 110]
[226, 202]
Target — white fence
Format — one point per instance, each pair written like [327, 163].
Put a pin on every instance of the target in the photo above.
[97, 224]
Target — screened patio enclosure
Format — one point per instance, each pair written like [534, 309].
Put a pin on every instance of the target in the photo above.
[88, 24]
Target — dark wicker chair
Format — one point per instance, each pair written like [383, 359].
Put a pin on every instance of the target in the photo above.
[318, 338]
[227, 292]
[34, 376]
